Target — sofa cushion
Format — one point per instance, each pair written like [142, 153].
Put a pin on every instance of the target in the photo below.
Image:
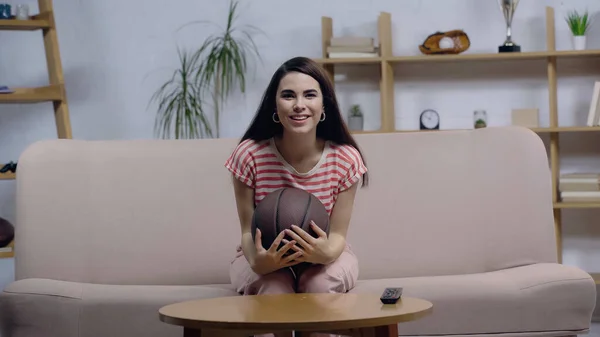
[42, 307]
[543, 297]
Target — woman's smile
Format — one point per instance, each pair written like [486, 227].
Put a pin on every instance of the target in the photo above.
[299, 119]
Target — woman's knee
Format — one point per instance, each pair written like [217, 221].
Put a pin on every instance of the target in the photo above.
[337, 277]
[318, 280]
[247, 282]
[278, 282]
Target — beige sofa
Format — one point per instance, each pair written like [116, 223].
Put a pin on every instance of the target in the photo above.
[107, 232]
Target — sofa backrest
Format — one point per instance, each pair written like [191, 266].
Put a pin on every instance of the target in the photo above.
[163, 211]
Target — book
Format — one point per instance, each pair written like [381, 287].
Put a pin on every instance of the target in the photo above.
[354, 41]
[352, 54]
[580, 196]
[593, 114]
[351, 49]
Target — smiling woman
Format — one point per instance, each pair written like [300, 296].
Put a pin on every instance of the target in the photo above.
[297, 139]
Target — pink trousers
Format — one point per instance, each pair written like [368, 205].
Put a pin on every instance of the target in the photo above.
[339, 276]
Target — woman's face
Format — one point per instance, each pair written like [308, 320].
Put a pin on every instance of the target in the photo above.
[299, 103]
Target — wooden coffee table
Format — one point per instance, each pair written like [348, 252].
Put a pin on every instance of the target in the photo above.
[349, 314]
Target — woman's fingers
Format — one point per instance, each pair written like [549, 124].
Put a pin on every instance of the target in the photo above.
[295, 247]
[287, 246]
[257, 240]
[276, 242]
[291, 258]
[298, 238]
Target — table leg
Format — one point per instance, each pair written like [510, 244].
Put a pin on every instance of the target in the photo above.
[386, 331]
[187, 332]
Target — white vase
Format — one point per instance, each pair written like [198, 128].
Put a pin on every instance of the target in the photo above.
[355, 123]
[579, 42]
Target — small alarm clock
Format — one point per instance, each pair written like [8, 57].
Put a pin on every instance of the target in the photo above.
[429, 120]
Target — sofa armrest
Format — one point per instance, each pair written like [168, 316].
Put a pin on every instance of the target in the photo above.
[53, 308]
[35, 307]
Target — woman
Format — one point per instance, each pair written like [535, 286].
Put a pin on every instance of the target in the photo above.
[297, 139]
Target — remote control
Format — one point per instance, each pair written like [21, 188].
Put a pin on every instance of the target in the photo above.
[391, 295]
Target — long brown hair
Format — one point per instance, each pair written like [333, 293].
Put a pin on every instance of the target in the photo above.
[333, 128]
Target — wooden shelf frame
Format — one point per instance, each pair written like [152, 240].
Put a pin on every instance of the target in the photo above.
[54, 92]
[10, 254]
[50, 93]
[386, 61]
[36, 22]
[483, 57]
[7, 176]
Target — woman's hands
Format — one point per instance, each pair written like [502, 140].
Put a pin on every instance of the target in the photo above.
[272, 259]
[302, 247]
[312, 250]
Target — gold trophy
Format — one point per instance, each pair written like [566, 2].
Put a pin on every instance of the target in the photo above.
[508, 8]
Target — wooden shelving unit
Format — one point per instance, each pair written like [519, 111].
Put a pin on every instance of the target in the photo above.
[386, 61]
[9, 254]
[34, 95]
[7, 176]
[53, 92]
[40, 21]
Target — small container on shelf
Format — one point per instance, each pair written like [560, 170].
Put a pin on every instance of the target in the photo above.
[480, 119]
[22, 12]
[5, 11]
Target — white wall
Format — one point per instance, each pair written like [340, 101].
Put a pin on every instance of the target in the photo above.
[112, 68]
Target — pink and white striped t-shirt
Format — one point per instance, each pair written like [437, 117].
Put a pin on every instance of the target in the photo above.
[259, 165]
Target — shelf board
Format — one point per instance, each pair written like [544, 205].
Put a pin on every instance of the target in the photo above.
[36, 22]
[34, 95]
[349, 60]
[534, 55]
[540, 55]
[577, 204]
[538, 130]
[8, 176]
[4, 255]
[568, 129]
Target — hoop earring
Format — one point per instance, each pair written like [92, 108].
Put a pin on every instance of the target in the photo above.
[322, 117]
[275, 117]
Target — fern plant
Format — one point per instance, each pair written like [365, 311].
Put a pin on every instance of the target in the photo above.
[180, 107]
[212, 70]
[578, 24]
[224, 61]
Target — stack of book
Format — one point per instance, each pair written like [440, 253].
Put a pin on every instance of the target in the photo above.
[580, 187]
[352, 46]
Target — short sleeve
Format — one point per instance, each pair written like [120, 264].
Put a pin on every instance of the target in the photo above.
[241, 163]
[355, 167]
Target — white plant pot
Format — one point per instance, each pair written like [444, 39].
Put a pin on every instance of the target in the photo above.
[355, 123]
[579, 42]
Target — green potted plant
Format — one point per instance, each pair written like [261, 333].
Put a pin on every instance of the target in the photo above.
[578, 24]
[206, 76]
[356, 119]
[180, 107]
[480, 123]
[480, 117]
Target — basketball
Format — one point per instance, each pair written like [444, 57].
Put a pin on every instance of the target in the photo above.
[285, 207]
